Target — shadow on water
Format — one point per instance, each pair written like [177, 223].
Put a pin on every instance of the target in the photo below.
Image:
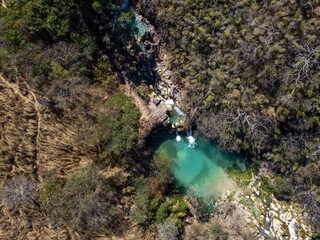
[221, 158]
[202, 175]
[171, 150]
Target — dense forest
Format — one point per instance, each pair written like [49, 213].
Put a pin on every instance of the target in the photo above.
[252, 74]
[70, 162]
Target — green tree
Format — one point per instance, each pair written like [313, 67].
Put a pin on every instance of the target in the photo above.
[122, 117]
[141, 202]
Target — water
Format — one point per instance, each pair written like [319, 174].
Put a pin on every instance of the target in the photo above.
[133, 24]
[125, 4]
[200, 167]
[141, 26]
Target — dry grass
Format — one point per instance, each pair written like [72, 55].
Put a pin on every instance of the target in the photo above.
[33, 141]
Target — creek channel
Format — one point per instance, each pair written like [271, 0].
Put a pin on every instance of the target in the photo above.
[199, 166]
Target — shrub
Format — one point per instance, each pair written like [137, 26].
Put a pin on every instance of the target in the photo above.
[122, 118]
[267, 184]
[58, 72]
[19, 192]
[200, 206]
[84, 201]
[13, 38]
[154, 204]
[141, 202]
[179, 208]
[162, 212]
[168, 230]
[143, 91]
[3, 58]
[283, 190]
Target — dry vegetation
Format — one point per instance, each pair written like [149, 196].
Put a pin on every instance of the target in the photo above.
[33, 141]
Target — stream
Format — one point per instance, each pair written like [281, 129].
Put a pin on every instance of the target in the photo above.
[197, 162]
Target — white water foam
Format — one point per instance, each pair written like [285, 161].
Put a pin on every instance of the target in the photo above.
[192, 141]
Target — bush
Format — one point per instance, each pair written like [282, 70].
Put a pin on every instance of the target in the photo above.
[316, 236]
[283, 190]
[3, 58]
[168, 230]
[267, 184]
[164, 176]
[154, 204]
[13, 38]
[84, 201]
[200, 206]
[162, 212]
[19, 192]
[143, 91]
[179, 208]
[122, 118]
[141, 203]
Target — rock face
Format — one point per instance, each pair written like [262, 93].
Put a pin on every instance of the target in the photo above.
[180, 125]
[279, 220]
[245, 214]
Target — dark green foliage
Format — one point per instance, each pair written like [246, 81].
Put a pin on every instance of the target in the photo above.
[143, 91]
[316, 236]
[283, 190]
[162, 212]
[160, 184]
[3, 58]
[250, 72]
[102, 73]
[141, 202]
[122, 117]
[173, 207]
[154, 204]
[267, 184]
[13, 38]
[84, 201]
[179, 207]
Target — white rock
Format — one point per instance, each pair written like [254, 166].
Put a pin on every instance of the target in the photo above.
[256, 191]
[273, 214]
[294, 229]
[274, 207]
[277, 227]
[286, 217]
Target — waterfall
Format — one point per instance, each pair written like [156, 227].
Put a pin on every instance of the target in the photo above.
[169, 101]
[191, 139]
[179, 111]
[178, 138]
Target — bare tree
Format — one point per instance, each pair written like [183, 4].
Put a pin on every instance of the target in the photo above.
[168, 230]
[19, 192]
[304, 66]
